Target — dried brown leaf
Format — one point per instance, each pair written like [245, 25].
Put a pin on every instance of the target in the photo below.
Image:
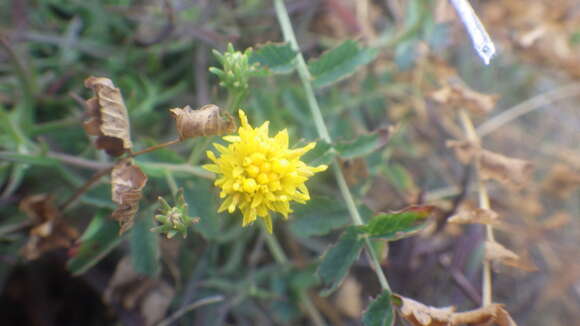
[477, 215]
[512, 172]
[562, 181]
[48, 230]
[150, 297]
[496, 252]
[459, 96]
[419, 314]
[127, 182]
[205, 121]
[108, 117]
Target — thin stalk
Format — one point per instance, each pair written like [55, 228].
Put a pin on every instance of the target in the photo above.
[472, 136]
[280, 257]
[304, 74]
[96, 177]
[156, 147]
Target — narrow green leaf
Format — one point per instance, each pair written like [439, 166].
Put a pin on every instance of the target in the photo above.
[277, 57]
[337, 260]
[380, 311]
[100, 237]
[394, 226]
[145, 246]
[364, 144]
[318, 217]
[29, 159]
[323, 153]
[339, 63]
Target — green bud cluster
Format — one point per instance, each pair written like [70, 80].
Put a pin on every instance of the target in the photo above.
[174, 219]
[236, 69]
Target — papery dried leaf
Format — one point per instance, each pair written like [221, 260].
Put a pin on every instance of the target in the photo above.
[127, 182]
[419, 314]
[496, 252]
[205, 121]
[108, 117]
[150, 297]
[459, 96]
[477, 215]
[562, 181]
[512, 172]
[48, 230]
[493, 313]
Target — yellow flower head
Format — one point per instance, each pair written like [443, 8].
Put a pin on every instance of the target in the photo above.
[258, 173]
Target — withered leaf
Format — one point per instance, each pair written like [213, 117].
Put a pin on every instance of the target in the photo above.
[562, 181]
[496, 252]
[476, 215]
[459, 96]
[150, 297]
[127, 182]
[48, 230]
[205, 121]
[512, 172]
[419, 314]
[108, 117]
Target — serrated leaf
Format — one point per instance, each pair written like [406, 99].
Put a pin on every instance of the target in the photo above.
[277, 57]
[364, 144]
[145, 246]
[323, 153]
[318, 217]
[398, 225]
[100, 237]
[340, 62]
[337, 260]
[380, 311]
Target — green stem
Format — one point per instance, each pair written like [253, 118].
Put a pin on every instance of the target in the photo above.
[280, 257]
[304, 74]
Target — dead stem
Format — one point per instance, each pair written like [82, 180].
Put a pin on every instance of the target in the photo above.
[472, 136]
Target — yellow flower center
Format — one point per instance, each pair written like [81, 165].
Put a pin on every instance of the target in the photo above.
[258, 173]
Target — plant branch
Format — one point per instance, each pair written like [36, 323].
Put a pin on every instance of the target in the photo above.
[155, 147]
[96, 177]
[305, 78]
[472, 136]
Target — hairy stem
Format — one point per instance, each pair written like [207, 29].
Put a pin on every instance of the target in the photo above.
[304, 74]
[472, 136]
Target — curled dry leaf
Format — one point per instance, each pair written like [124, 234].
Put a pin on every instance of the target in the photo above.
[476, 215]
[562, 181]
[496, 252]
[459, 96]
[419, 314]
[108, 117]
[149, 297]
[205, 121]
[48, 230]
[512, 172]
[127, 182]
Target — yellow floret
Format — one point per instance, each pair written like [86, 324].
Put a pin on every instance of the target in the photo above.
[259, 174]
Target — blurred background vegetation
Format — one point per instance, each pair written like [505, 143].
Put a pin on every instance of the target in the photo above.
[158, 53]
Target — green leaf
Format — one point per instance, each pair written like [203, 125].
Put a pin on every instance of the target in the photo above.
[202, 203]
[323, 153]
[339, 63]
[29, 159]
[277, 57]
[398, 225]
[318, 217]
[337, 260]
[380, 311]
[145, 246]
[363, 145]
[100, 237]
